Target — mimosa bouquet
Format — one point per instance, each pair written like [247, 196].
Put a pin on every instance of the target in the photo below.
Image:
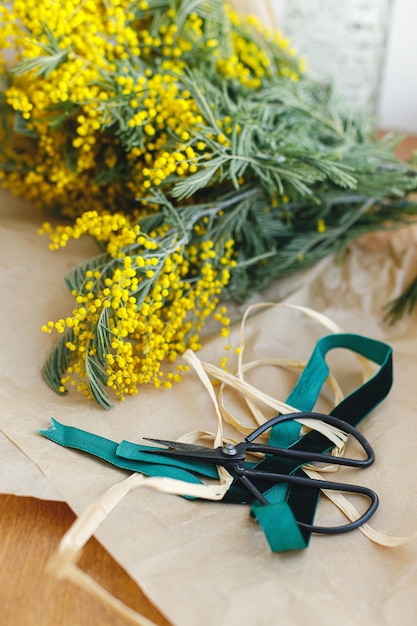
[189, 142]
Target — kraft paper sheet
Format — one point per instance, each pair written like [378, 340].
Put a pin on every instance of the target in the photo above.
[203, 562]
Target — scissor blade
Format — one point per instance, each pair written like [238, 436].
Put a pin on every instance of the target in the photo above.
[191, 451]
[179, 445]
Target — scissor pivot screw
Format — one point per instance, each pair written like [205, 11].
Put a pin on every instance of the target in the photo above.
[229, 449]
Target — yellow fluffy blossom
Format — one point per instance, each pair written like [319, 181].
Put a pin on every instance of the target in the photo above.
[183, 138]
[134, 312]
[96, 111]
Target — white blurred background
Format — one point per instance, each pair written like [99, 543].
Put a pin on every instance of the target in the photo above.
[368, 48]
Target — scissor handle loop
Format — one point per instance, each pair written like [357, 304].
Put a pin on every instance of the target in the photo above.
[305, 456]
[312, 483]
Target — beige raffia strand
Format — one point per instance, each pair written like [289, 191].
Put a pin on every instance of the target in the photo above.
[253, 396]
[249, 392]
[63, 562]
[351, 512]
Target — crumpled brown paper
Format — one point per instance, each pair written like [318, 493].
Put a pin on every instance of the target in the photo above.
[208, 563]
[19, 476]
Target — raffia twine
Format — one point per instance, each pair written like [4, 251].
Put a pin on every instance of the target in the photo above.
[63, 563]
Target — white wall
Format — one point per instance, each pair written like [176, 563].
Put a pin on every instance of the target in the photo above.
[397, 107]
[397, 102]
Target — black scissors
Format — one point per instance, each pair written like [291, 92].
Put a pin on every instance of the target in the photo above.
[233, 458]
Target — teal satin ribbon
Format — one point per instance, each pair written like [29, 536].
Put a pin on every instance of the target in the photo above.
[289, 504]
[286, 505]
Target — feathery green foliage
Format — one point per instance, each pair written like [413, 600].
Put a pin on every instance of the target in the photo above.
[189, 143]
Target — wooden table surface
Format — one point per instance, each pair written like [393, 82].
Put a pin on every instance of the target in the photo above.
[30, 530]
